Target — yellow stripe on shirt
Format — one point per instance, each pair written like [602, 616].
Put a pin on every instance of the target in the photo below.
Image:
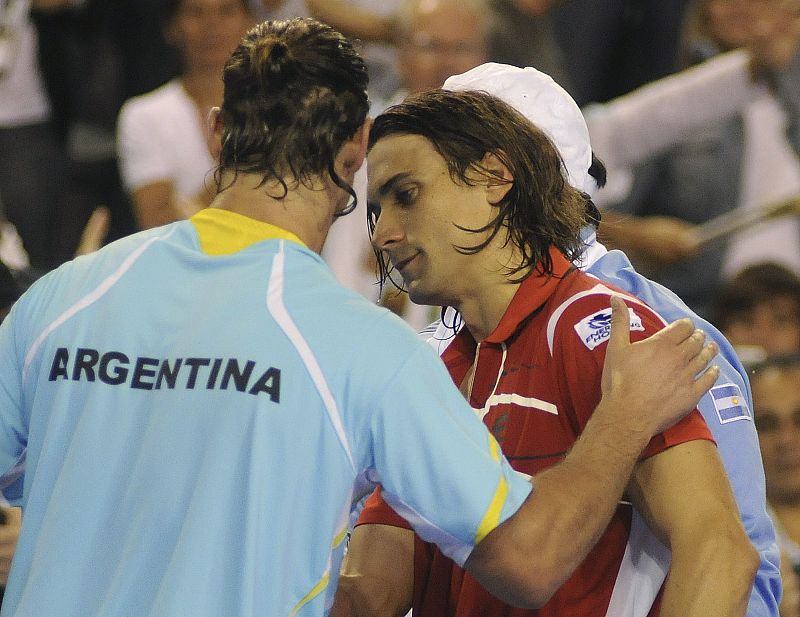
[340, 537]
[323, 583]
[492, 517]
[318, 588]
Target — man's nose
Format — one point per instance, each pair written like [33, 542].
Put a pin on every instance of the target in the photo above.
[387, 232]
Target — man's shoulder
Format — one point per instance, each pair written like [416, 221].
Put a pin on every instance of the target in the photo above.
[578, 287]
[582, 307]
[81, 279]
[326, 310]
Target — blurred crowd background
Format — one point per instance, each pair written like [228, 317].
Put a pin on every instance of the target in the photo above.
[694, 105]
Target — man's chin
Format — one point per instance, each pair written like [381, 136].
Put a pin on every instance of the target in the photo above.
[419, 295]
[414, 293]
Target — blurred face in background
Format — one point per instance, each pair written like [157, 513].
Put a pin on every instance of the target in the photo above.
[776, 397]
[443, 38]
[729, 21]
[734, 23]
[773, 326]
[207, 31]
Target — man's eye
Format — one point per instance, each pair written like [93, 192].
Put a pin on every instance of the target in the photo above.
[405, 196]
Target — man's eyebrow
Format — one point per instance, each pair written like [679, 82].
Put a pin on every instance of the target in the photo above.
[387, 186]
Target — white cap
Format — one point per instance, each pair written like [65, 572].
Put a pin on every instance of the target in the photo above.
[546, 104]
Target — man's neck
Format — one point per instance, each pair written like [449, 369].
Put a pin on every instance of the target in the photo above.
[491, 292]
[483, 311]
[306, 212]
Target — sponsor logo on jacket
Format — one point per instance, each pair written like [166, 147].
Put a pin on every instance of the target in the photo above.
[596, 328]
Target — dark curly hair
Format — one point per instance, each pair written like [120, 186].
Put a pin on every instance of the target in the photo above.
[295, 92]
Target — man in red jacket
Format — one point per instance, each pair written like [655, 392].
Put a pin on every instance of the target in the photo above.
[472, 208]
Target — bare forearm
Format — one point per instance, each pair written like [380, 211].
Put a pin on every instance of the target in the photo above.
[651, 241]
[377, 574]
[710, 576]
[686, 500]
[354, 598]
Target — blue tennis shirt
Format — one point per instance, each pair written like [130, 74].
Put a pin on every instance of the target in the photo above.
[195, 409]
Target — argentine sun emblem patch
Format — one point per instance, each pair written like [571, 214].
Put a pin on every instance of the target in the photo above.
[729, 403]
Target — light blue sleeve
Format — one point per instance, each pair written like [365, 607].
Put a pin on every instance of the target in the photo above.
[440, 467]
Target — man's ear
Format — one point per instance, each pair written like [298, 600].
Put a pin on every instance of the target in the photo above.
[362, 138]
[498, 177]
[214, 128]
[354, 151]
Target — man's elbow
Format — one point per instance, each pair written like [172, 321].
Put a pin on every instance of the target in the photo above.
[727, 554]
[744, 563]
[522, 583]
[750, 560]
[522, 565]
[742, 554]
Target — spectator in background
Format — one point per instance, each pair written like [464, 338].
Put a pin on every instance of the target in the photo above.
[439, 38]
[434, 38]
[163, 150]
[511, 30]
[748, 160]
[759, 311]
[33, 163]
[94, 55]
[776, 396]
